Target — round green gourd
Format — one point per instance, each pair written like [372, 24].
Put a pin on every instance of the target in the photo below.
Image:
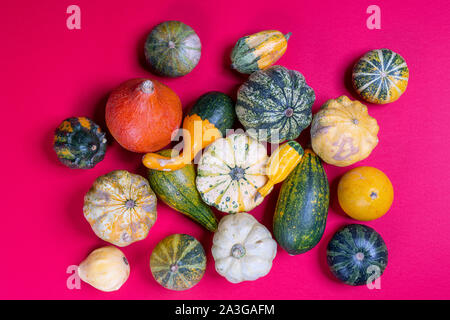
[302, 207]
[356, 254]
[380, 76]
[177, 189]
[178, 262]
[275, 104]
[173, 49]
[79, 143]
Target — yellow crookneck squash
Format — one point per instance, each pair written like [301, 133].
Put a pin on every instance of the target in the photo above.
[120, 207]
[342, 132]
[281, 163]
[258, 51]
[207, 121]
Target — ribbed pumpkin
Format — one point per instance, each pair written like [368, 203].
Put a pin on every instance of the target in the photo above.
[120, 207]
[207, 121]
[178, 262]
[342, 132]
[142, 114]
[258, 51]
[230, 172]
[177, 189]
[302, 207]
[380, 76]
[243, 249]
[173, 49]
[357, 253]
[79, 143]
[275, 104]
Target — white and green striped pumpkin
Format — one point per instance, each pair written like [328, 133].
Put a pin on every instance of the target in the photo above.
[230, 172]
[275, 104]
[380, 76]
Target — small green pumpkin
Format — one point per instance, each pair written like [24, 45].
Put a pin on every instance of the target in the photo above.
[357, 253]
[380, 76]
[177, 189]
[173, 49]
[178, 262]
[275, 104]
[79, 143]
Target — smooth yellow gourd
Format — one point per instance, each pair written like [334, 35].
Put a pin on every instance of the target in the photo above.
[105, 269]
[281, 163]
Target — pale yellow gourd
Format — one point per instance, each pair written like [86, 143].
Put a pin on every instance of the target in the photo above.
[105, 269]
[342, 132]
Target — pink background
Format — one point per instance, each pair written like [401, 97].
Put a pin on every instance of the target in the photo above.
[50, 73]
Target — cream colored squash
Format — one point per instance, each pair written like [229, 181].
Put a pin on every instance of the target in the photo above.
[230, 172]
[342, 132]
[105, 269]
[243, 249]
[121, 207]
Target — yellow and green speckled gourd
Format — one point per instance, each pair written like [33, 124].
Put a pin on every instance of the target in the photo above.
[178, 262]
[120, 207]
[258, 51]
[380, 76]
[79, 143]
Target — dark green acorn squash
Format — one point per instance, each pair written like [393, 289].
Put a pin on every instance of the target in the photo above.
[302, 207]
[177, 189]
[178, 262]
[173, 49]
[275, 104]
[356, 254]
[217, 108]
[79, 143]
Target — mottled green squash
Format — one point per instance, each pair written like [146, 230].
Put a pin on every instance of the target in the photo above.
[178, 262]
[274, 104]
[302, 206]
[177, 189]
[79, 143]
[173, 49]
[380, 76]
[357, 254]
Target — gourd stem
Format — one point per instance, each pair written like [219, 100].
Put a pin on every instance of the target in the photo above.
[288, 35]
[147, 87]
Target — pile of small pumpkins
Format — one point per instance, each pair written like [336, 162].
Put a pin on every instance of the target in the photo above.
[234, 172]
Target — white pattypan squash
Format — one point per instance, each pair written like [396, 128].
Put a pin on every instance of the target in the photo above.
[243, 249]
[230, 172]
[105, 269]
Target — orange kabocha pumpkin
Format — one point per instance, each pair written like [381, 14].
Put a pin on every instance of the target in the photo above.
[141, 115]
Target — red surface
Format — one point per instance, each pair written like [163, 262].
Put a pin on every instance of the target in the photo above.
[50, 73]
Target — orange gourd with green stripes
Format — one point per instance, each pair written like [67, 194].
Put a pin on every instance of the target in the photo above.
[258, 51]
[281, 163]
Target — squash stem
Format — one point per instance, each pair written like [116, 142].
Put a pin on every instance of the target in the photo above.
[147, 87]
[288, 35]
